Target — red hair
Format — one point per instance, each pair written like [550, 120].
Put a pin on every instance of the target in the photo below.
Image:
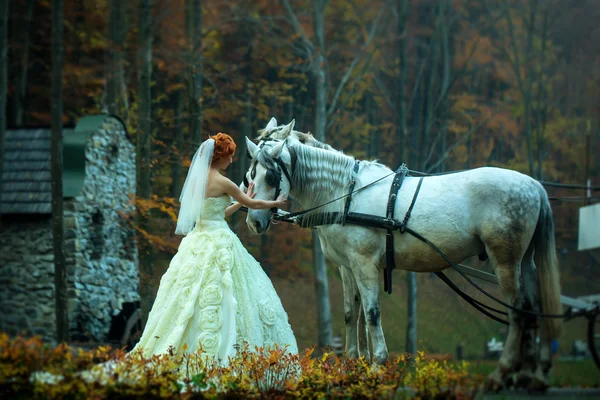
[224, 146]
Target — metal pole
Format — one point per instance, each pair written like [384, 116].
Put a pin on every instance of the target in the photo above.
[588, 136]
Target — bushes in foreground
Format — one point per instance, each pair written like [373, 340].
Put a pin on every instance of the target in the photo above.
[31, 369]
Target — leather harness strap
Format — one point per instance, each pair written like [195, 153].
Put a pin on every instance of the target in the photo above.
[350, 191]
[388, 222]
[389, 237]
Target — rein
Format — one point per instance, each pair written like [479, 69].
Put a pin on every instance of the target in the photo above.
[290, 216]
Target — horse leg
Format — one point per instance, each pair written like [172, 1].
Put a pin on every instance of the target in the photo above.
[508, 279]
[351, 311]
[542, 372]
[366, 274]
[526, 375]
[363, 337]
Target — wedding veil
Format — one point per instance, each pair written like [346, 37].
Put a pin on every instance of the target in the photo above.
[193, 193]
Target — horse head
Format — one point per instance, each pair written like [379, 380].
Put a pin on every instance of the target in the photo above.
[271, 172]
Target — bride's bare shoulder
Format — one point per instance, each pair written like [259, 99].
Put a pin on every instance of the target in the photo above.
[217, 183]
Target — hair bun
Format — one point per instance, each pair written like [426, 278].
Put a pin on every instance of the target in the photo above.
[224, 146]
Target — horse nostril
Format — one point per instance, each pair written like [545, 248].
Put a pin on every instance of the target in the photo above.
[257, 226]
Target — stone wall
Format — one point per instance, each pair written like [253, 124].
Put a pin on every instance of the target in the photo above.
[27, 277]
[100, 250]
[103, 244]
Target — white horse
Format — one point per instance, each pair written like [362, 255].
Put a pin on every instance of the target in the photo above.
[497, 212]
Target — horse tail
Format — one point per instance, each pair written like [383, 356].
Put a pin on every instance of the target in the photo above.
[546, 263]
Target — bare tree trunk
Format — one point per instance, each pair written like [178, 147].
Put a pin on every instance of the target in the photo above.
[445, 84]
[325, 338]
[117, 31]
[246, 123]
[416, 117]
[176, 169]
[527, 97]
[60, 271]
[541, 109]
[194, 42]
[3, 81]
[401, 124]
[411, 279]
[24, 36]
[144, 139]
[525, 83]
[375, 135]
[144, 90]
[319, 72]
[411, 328]
[429, 101]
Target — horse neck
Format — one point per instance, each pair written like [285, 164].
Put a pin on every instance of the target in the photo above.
[321, 176]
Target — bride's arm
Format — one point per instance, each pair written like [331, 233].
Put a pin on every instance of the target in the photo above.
[242, 198]
[234, 207]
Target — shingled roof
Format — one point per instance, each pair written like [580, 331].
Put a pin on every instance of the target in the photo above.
[26, 184]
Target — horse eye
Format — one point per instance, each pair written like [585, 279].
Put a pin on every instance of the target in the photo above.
[248, 154]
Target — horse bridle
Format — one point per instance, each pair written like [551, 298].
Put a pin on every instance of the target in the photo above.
[273, 177]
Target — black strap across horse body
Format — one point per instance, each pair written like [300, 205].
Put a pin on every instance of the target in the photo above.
[372, 221]
[350, 192]
[389, 237]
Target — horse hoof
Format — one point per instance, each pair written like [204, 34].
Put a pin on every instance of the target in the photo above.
[380, 360]
[493, 386]
[352, 354]
[495, 382]
[522, 379]
[537, 384]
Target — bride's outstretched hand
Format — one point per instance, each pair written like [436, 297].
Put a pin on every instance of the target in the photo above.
[281, 200]
[251, 193]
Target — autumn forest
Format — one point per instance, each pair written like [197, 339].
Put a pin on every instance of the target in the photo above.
[440, 85]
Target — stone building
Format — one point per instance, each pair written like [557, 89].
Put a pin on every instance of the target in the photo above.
[100, 250]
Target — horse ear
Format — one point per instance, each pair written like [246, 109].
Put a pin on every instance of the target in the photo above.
[252, 148]
[272, 124]
[288, 129]
[277, 149]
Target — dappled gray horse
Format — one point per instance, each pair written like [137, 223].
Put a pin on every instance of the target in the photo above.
[501, 213]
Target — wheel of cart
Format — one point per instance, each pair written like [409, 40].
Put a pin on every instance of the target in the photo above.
[594, 337]
[589, 241]
[588, 307]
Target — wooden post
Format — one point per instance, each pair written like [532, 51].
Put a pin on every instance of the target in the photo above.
[459, 352]
[588, 135]
[4, 6]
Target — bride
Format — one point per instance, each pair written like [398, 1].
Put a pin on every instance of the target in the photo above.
[214, 296]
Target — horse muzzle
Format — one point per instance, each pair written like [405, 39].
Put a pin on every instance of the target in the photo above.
[259, 221]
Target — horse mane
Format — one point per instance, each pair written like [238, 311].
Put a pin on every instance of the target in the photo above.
[320, 176]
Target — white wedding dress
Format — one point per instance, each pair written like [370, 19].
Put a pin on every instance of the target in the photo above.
[214, 296]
